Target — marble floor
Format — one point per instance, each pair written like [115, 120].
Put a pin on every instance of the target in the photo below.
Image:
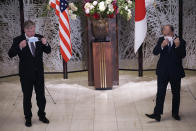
[81, 108]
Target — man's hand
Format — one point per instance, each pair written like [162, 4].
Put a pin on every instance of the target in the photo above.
[177, 42]
[165, 43]
[44, 41]
[23, 44]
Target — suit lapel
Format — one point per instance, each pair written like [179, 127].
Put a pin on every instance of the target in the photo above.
[37, 44]
[29, 50]
[27, 47]
[173, 46]
[36, 48]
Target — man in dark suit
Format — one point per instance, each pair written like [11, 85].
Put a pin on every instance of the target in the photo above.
[30, 47]
[169, 70]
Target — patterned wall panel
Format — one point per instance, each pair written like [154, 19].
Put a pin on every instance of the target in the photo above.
[127, 57]
[9, 28]
[189, 33]
[163, 12]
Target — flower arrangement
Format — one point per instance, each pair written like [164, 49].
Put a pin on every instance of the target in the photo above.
[98, 9]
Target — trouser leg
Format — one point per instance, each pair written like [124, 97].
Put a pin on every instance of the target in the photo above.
[27, 89]
[175, 87]
[160, 98]
[40, 94]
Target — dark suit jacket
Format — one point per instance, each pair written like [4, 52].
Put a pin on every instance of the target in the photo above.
[27, 63]
[170, 63]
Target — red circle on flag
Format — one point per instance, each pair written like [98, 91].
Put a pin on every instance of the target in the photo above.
[140, 10]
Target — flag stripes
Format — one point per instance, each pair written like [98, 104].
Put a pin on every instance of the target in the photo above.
[64, 29]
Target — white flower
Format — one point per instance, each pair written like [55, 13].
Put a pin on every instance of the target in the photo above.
[129, 2]
[110, 8]
[126, 7]
[129, 15]
[87, 11]
[95, 3]
[129, 11]
[102, 6]
[108, 1]
[87, 5]
[73, 16]
[71, 4]
[91, 7]
[73, 7]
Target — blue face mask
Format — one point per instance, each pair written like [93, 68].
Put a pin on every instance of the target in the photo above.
[33, 39]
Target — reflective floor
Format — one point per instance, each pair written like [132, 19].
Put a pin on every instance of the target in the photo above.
[81, 108]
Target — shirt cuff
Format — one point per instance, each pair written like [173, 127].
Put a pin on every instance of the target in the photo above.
[20, 48]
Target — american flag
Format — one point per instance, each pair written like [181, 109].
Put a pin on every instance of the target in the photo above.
[60, 7]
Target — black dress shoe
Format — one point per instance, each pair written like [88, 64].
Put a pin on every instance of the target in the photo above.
[28, 123]
[44, 120]
[176, 117]
[154, 116]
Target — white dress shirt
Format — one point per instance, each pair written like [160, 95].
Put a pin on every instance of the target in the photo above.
[171, 40]
[29, 44]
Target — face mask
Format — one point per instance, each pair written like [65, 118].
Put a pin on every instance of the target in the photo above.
[33, 39]
[169, 38]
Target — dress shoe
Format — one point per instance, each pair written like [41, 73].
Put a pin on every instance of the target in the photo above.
[44, 120]
[154, 116]
[28, 123]
[176, 117]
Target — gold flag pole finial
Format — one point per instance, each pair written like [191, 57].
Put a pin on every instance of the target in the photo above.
[155, 4]
[48, 7]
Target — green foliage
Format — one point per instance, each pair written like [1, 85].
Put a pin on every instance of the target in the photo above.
[123, 5]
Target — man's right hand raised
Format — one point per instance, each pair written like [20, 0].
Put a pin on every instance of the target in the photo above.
[165, 43]
[23, 44]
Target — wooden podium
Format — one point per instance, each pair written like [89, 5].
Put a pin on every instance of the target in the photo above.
[102, 65]
[110, 46]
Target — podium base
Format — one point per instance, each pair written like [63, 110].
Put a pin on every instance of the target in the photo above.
[102, 64]
[104, 88]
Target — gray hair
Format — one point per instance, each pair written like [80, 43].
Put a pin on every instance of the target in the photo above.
[28, 23]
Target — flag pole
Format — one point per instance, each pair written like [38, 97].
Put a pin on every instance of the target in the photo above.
[21, 4]
[140, 62]
[180, 18]
[65, 74]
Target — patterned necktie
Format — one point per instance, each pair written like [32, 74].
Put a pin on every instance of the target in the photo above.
[169, 47]
[32, 48]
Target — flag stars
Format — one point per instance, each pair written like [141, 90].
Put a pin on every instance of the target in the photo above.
[63, 5]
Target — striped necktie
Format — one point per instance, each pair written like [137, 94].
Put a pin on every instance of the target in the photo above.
[169, 47]
[32, 48]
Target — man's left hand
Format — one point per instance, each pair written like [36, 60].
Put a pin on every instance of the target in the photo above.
[177, 42]
[44, 41]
